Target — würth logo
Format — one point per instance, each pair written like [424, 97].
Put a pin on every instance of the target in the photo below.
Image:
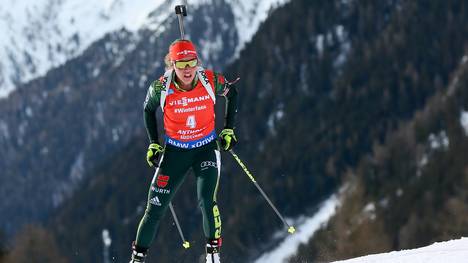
[162, 180]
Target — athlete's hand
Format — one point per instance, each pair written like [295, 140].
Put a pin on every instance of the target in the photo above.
[228, 139]
[152, 155]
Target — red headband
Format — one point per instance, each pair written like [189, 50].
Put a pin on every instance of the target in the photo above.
[182, 49]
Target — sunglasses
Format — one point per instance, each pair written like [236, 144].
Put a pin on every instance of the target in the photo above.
[183, 64]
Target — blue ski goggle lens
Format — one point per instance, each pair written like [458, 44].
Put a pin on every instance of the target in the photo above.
[183, 64]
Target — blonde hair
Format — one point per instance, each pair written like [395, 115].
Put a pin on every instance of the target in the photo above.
[167, 58]
[168, 62]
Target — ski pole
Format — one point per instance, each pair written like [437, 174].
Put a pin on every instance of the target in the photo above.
[181, 11]
[291, 229]
[185, 243]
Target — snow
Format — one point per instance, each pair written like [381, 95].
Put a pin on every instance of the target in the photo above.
[274, 118]
[369, 208]
[115, 135]
[249, 15]
[319, 44]
[464, 121]
[399, 192]
[345, 46]
[464, 59]
[303, 233]
[438, 141]
[4, 131]
[453, 251]
[211, 47]
[29, 111]
[369, 211]
[77, 169]
[106, 239]
[41, 34]
[424, 160]
[324, 40]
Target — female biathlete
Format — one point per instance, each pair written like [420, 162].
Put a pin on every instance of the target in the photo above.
[186, 94]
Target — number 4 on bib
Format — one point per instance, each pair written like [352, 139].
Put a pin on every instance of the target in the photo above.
[191, 122]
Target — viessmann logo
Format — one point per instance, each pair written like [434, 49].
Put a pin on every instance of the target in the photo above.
[186, 101]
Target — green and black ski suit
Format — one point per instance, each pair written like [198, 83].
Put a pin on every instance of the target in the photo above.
[191, 149]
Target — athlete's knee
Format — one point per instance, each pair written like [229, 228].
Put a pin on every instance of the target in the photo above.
[202, 203]
[206, 204]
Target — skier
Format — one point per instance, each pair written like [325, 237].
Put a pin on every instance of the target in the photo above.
[186, 95]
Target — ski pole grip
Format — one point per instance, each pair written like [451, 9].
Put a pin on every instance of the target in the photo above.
[181, 10]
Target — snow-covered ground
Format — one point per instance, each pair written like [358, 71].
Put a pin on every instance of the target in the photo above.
[453, 251]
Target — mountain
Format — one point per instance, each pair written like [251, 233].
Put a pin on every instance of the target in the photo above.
[45, 34]
[40, 35]
[409, 192]
[58, 127]
[328, 90]
[322, 84]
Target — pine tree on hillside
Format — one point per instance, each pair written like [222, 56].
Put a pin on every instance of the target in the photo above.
[3, 247]
[34, 244]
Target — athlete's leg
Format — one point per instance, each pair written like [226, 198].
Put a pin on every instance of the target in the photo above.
[166, 181]
[207, 168]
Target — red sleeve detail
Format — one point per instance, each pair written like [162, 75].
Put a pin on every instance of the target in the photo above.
[221, 79]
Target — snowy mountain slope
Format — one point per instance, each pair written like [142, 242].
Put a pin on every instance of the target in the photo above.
[43, 34]
[453, 251]
[248, 17]
[40, 35]
[305, 230]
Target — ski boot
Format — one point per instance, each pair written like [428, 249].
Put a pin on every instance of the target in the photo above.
[213, 248]
[138, 254]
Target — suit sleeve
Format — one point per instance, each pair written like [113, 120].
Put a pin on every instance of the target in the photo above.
[223, 88]
[150, 106]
